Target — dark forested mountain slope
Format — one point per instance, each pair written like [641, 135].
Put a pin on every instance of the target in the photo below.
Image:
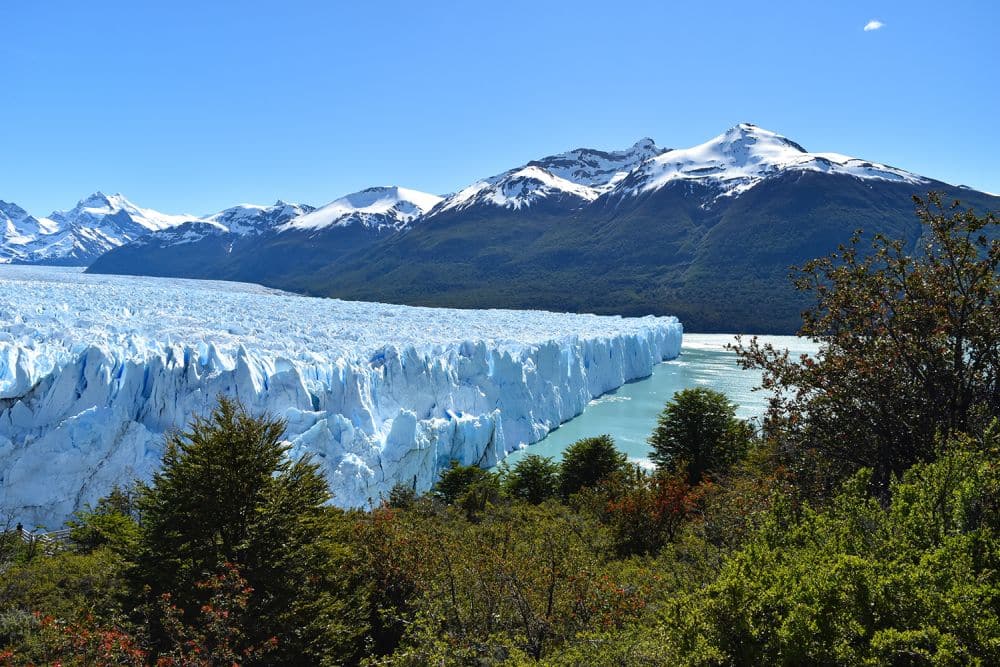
[706, 233]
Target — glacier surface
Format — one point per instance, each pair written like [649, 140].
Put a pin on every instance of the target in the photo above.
[95, 369]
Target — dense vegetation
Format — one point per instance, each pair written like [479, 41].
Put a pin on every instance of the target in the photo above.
[858, 526]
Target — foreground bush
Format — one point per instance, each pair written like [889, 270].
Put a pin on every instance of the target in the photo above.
[911, 348]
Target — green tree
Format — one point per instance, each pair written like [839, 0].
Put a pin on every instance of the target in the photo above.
[911, 347]
[468, 487]
[112, 523]
[228, 494]
[457, 480]
[533, 478]
[588, 462]
[698, 433]
[401, 496]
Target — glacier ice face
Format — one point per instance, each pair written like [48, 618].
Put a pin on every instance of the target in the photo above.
[95, 369]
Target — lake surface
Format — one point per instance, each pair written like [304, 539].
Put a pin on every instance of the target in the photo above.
[629, 413]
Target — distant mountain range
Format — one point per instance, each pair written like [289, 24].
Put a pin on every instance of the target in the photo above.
[706, 233]
[77, 236]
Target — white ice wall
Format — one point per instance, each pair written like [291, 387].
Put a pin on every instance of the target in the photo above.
[87, 391]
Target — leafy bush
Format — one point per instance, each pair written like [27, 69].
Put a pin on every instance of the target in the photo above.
[859, 584]
[911, 347]
[534, 478]
[588, 462]
[698, 433]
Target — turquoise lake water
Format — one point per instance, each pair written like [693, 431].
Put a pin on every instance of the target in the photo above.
[629, 413]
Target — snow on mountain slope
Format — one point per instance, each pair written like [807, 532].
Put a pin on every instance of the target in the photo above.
[516, 189]
[598, 169]
[378, 208]
[94, 370]
[731, 163]
[580, 175]
[745, 155]
[240, 220]
[95, 225]
[247, 219]
[98, 209]
[18, 230]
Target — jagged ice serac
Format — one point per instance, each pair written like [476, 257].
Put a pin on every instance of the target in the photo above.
[94, 370]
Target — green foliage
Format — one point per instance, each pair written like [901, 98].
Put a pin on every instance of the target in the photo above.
[227, 493]
[83, 643]
[457, 480]
[216, 636]
[640, 569]
[112, 523]
[469, 487]
[916, 583]
[911, 347]
[533, 478]
[520, 582]
[401, 496]
[588, 462]
[698, 433]
[68, 585]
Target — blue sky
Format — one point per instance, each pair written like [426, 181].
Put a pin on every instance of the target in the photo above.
[194, 106]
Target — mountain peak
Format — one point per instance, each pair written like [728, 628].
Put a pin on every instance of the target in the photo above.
[95, 200]
[581, 175]
[747, 135]
[12, 210]
[742, 157]
[379, 206]
[644, 144]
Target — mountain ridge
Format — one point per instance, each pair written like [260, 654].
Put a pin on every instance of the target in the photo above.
[707, 233]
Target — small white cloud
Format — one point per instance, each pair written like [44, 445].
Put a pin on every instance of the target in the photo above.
[873, 25]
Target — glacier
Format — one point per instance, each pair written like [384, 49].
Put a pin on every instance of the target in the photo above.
[95, 369]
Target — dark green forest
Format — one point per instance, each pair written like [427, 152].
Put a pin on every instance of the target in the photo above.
[858, 523]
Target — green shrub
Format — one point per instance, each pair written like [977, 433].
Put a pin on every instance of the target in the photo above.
[534, 478]
[588, 462]
[698, 433]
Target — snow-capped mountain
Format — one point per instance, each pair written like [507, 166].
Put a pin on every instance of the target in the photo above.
[598, 169]
[259, 244]
[19, 230]
[706, 232]
[636, 231]
[243, 220]
[95, 225]
[575, 177]
[518, 188]
[247, 219]
[378, 208]
[743, 157]
[107, 212]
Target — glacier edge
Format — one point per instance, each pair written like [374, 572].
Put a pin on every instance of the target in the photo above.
[78, 417]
